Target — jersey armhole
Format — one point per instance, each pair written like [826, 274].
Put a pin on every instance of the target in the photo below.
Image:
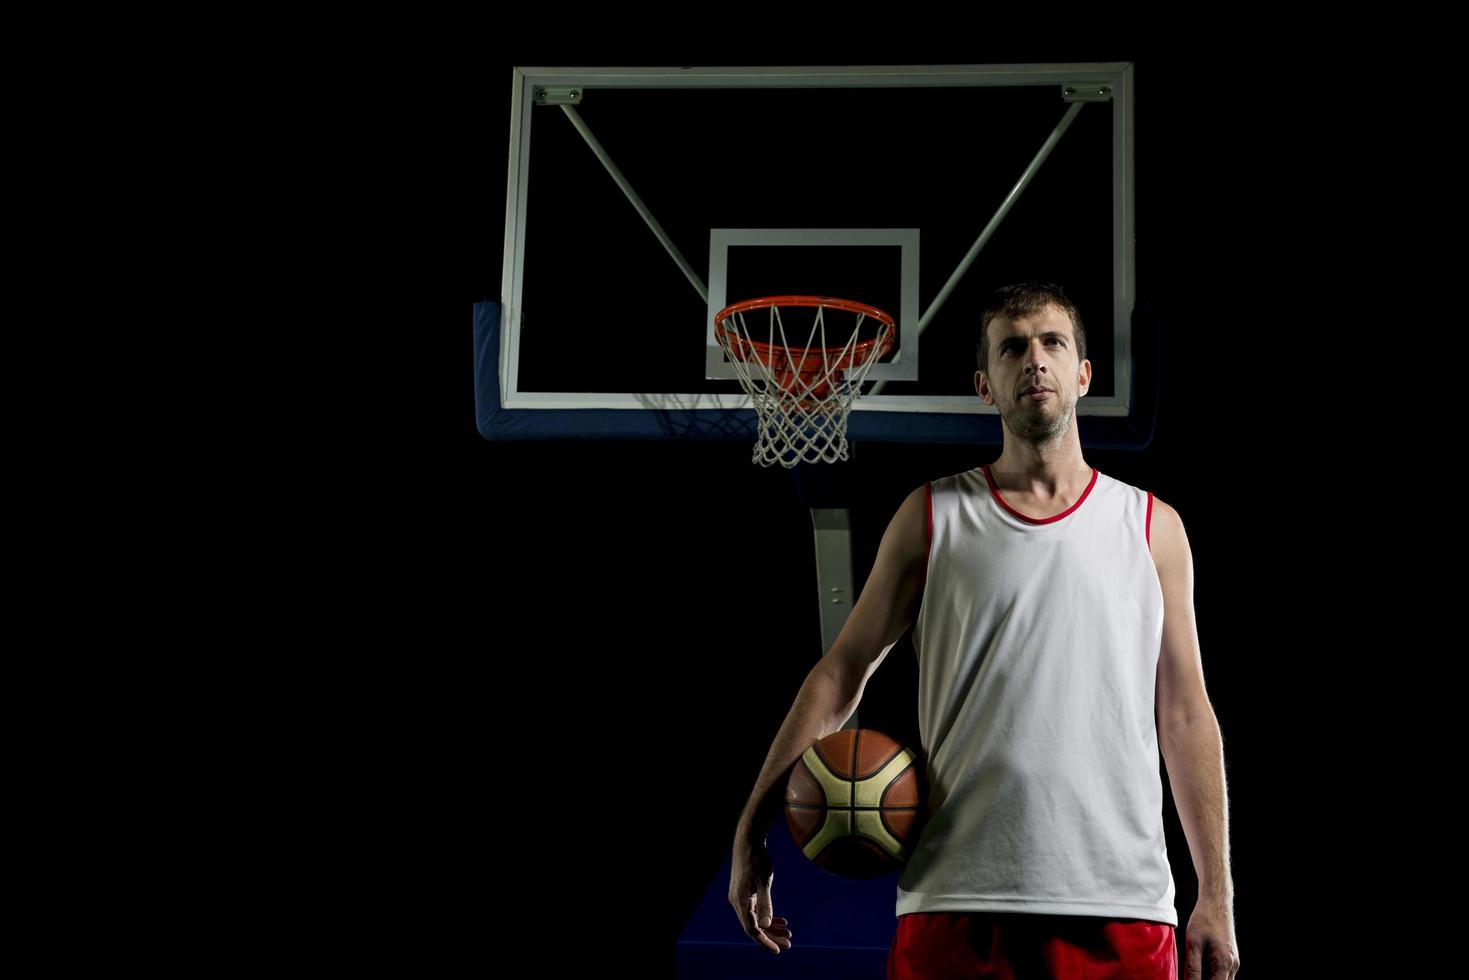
[1148, 524]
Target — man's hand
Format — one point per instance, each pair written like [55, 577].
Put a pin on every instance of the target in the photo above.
[750, 877]
[1211, 951]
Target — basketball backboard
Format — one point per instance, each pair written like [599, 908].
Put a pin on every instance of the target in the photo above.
[640, 201]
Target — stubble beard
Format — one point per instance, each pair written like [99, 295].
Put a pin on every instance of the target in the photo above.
[1035, 424]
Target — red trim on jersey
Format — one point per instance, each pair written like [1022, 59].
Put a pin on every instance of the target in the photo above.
[928, 491]
[1148, 527]
[995, 491]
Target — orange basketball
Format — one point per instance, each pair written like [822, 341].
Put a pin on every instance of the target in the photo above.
[854, 801]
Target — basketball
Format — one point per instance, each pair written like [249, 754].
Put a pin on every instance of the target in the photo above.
[853, 803]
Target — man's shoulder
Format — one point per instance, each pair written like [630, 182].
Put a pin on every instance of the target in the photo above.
[1166, 535]
[1161, 508]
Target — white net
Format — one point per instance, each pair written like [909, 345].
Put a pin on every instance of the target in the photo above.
[802, 394]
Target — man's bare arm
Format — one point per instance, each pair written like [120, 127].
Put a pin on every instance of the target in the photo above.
[834, 686]
[1193, 750]
[1188, 731]
[827, 698]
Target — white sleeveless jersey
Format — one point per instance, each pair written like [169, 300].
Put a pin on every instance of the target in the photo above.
[1038, 644]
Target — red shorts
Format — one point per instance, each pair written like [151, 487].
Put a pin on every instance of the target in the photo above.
[1026, 946]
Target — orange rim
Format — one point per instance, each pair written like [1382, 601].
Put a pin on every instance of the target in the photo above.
[858, 353]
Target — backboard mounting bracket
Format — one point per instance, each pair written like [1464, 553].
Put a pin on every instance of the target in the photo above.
[558, 96]
[1086, 92]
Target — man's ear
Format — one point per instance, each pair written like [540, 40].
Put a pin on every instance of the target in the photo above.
[1086, 376]
[982, 388]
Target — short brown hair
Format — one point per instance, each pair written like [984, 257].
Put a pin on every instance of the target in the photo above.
[1026, 299]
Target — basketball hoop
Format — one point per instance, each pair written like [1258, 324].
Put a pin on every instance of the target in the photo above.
[802, 395]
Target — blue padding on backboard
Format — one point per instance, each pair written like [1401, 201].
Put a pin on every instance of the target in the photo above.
[841, 928]
[496, 422]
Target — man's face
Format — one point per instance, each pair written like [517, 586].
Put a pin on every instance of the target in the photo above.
[1032, 351]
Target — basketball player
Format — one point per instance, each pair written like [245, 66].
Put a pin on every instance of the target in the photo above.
[1053, 618]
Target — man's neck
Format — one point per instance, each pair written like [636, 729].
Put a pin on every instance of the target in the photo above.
[1041, 473]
